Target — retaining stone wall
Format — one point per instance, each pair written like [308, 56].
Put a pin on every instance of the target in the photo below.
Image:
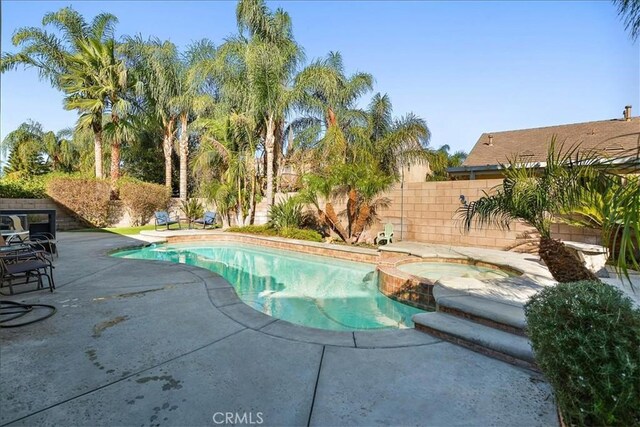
[64, 220]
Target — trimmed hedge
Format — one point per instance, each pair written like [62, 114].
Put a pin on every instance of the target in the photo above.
[286, 232]
[89, 199]
[142, 199]
[22, 188]
[586, 338]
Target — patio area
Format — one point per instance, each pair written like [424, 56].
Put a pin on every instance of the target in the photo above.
[150, 343]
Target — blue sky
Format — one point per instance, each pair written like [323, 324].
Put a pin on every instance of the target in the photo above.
[466, 67]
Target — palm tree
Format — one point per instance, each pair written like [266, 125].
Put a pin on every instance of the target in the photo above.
[363, 160]
[537, 197]
[157, 64]
[392, 142]
[50, 54]
[225, 165]
[270, 56]
[97, 83]
[326, 92]
[61, 151]
[441, 159]
[629, 10]
[323, 93]
[191, 98]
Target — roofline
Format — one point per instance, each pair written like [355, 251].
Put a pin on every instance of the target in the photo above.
[633, 161]
[561, 125]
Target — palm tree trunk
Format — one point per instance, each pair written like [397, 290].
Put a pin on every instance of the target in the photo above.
[115, 164]
[97, 152]
[184, 155]
[269, 145]
[252, 198]
[331, 117]
[562, 264]
[334, 222]
[167, 148]
[239, 206]
[351, 210]
[115, 155]
[361, 222]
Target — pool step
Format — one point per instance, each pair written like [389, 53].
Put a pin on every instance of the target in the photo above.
[511, 348]
[508, 317]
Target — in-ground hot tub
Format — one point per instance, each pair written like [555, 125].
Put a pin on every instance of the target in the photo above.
[437, 270]
[410, 280]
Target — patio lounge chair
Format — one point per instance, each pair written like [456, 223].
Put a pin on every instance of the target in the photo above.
[209, 218]
[162, 219]
[385, 236]
[19, 263]
[42, 241]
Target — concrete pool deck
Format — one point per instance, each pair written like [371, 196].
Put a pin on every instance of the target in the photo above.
[150, 343]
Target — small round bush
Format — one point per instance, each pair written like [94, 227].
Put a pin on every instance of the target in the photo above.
[586, 338]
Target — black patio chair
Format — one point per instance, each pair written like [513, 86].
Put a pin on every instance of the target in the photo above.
[19, 264]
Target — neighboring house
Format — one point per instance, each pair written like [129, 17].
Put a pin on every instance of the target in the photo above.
[610, 138]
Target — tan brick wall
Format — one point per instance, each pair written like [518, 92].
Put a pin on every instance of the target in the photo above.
[64, 221]
[430, 216]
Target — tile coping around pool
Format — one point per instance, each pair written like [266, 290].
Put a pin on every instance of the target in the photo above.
[223, 295]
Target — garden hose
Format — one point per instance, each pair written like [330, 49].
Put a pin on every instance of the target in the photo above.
[10, 310]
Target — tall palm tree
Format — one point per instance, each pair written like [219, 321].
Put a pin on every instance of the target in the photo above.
[191, 99]
[270, 56]
[392, 143]
[96, 83]
[157, 64]
[326, 92]
[327, 99]
[50, 53]
[225, 165]
[537, 197]
[363, 160]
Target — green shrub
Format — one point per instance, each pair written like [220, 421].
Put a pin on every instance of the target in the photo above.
[192, 209]
[89, 199]
[265, 229]
[586, 338]
[300, 234]
[29, 188]
[287, 214]
[142, 199]
[287, 232]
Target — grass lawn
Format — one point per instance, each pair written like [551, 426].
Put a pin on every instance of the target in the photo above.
[125, 231]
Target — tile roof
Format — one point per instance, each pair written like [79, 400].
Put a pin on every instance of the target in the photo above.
[610, 136]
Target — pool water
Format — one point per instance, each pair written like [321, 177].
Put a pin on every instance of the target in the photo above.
[308, 290]
[438, 270]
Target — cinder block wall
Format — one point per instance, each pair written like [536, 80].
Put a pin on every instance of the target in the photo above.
[64, 220]
[430, 216]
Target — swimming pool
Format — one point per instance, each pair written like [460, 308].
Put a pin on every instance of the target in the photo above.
[308, 290]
